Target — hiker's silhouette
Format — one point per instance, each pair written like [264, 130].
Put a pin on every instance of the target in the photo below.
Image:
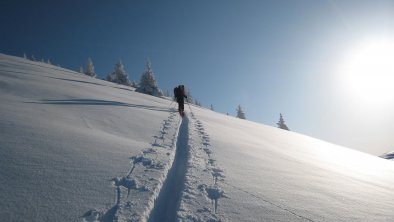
[179, 93]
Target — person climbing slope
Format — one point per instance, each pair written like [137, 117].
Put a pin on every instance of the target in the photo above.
[179, 93]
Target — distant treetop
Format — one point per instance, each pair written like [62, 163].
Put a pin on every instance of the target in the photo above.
[281, 124]
[240, 112]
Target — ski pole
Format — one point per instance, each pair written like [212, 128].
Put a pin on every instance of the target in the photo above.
[171, 106]
[189, 105]
[171, 103]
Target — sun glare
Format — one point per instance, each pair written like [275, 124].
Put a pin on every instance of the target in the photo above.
[368, 71]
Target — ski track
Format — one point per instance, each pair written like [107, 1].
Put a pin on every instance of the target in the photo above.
[177, 179]
[136, 191]
[202, 192]
[156, 190]
[167, 203]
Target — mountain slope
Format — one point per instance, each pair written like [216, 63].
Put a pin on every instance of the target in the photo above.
[75, 148]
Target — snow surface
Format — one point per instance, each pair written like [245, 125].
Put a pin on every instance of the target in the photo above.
[75, 148]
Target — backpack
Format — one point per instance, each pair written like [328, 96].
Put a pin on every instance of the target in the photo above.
[179, 91]
[176, 92]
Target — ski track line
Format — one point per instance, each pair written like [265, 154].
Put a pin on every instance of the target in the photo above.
[167, 204]
[136, 191]
[165, 198]
[269, 202]
[202, 192]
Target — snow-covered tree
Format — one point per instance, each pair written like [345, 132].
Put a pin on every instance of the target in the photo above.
[212, 107]
[80, 70]
[281, 124]
[49, 62]
[119, 75]
[24, 56]
[197, 102]
[166, 93]
[33, 58]
[90, 68]
[240, 112]
[148, 84]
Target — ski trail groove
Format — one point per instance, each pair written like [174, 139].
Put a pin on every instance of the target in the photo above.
[270, 202]
[202, 189]
[167, 204]
[135, 192]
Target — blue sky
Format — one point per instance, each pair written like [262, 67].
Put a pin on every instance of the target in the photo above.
[270, 57]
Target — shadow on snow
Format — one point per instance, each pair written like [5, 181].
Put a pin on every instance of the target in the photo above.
[96, 102]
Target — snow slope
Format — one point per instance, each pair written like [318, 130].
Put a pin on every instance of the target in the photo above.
[75, 148]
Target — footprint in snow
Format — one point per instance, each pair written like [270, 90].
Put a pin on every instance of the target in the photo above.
[149, 151]
[206, 144]
[201, 132]
[211, 161]
[156, 166]
[207, 151]
[214, 193]
[141, 160]
[203, 210]
[127, 183]
[157, 144]
[92, 215]
[217, 174]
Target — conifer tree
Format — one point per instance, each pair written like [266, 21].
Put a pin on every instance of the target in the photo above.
[49, 62]
[90, 68]
[166, 93]
[119, 75]
[24, 56]
[240, 112]
[281, 124]
[148, 84]
[212, 107]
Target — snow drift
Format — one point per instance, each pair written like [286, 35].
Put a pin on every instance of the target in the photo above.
[75, 148]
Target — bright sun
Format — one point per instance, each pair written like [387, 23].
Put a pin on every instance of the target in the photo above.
[368, 71]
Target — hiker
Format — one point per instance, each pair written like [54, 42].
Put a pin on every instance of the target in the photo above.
[179, 93]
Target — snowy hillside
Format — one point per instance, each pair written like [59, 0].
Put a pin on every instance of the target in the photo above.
[75, 148]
